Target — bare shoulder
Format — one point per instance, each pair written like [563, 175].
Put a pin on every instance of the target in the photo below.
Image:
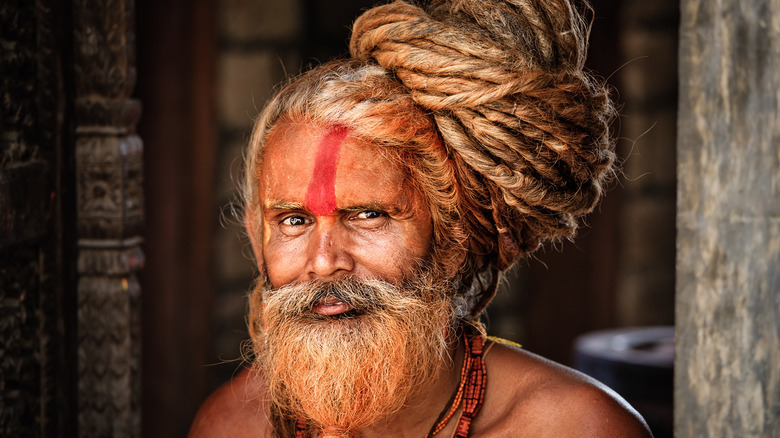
[528, 395]
[234, 410]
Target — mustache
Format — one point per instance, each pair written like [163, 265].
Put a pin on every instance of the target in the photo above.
[362, 295]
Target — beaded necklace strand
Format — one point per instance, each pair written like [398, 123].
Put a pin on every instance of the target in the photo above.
[474, 392]
[457, 397]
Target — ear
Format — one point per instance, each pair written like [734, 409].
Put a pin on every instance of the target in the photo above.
[255, 231]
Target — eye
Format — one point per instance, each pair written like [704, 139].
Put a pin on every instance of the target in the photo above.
[294, 225]
[370, 214]
[294, 221]
[369, 219]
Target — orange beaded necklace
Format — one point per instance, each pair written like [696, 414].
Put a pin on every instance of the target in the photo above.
[471, 389]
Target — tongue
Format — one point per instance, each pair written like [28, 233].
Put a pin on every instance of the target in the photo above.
[330, 306]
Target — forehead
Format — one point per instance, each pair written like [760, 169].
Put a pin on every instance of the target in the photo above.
[303, 159]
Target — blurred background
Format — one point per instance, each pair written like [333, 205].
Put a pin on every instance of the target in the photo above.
[206, 67]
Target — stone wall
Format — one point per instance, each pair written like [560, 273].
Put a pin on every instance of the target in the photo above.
[647, 86]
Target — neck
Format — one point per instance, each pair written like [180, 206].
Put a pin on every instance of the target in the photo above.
[416, 420]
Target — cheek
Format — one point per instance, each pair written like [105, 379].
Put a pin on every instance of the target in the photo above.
[418, 241]
[283, 261]
[419, 233]
[396, 255]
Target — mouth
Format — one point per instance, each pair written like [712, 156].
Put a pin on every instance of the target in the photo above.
[331, 306]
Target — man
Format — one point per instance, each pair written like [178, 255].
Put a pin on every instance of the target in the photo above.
[385, 195]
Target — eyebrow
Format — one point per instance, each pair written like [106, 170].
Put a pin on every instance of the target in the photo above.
[377, 206]
[283, 205]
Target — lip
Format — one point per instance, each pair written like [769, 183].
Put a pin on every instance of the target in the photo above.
[330, 306]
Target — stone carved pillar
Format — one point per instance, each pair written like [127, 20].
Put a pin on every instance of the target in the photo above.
[109, 218]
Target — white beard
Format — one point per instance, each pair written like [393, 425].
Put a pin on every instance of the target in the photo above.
[353, 370]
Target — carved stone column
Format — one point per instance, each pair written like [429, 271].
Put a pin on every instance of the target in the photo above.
[109, 218]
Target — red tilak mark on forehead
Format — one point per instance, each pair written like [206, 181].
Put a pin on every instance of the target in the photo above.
[321, 195]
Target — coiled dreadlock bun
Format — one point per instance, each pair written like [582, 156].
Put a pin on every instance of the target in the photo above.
[525, 125]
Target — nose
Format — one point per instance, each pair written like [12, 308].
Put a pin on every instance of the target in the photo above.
[328, 253]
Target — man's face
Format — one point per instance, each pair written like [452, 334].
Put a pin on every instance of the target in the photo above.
[333, 206]
[354, 321]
